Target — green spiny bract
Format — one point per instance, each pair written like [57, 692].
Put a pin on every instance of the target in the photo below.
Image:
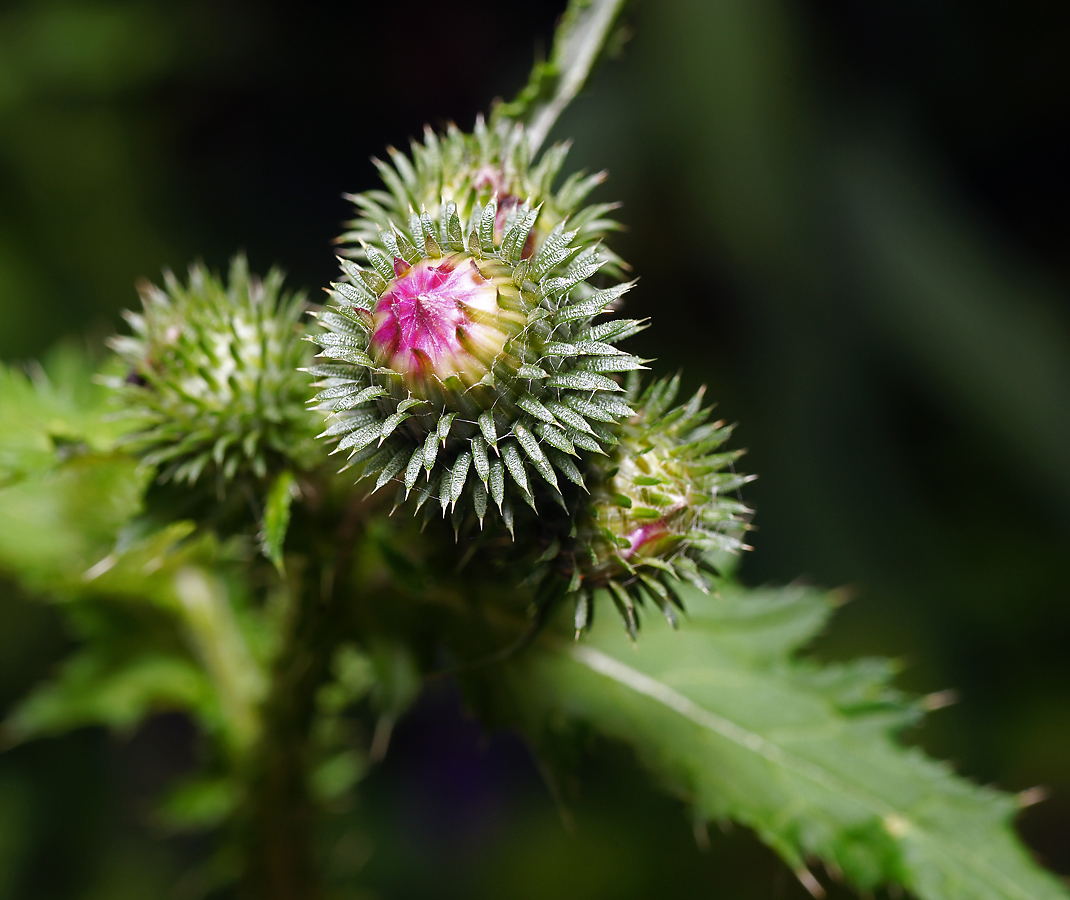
[659, 504]
[213, 384]
[468, 170]
[464, 370]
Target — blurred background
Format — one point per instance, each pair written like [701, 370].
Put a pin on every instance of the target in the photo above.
[850, 221]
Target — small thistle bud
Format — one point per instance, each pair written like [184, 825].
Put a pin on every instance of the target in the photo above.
[660, 502]
[212, 382]
[467, 372]
[467, 171]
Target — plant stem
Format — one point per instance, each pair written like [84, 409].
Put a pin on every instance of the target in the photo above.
[280, 815]
[578, 42]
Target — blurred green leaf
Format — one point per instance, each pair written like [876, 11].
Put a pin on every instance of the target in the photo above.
[277, 517]
[64, 493]
[55, 525]
[51, 413]
[722, 715]
[199, 803]
[98, 687]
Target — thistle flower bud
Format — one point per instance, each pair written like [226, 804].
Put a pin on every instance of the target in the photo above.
[468, 170]
[212, 382]
[660, 502]
[467, 371]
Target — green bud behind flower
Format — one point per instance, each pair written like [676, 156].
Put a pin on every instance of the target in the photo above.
[661, 501]
[469, 170]
[212, 384]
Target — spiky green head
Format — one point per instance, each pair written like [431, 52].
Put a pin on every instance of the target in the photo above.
[468, 170]
[212, 382]
[663, 499]
[468, 370]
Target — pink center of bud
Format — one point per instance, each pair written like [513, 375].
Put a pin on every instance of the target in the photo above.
[643, 537]
[437, 318]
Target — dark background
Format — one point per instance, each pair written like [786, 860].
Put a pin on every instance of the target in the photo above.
[850, 221]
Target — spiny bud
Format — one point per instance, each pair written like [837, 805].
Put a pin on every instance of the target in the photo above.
[468, 370]
[212, 382]
[660, 502]
[468, 170]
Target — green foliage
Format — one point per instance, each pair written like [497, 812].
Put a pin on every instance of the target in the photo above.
[50, 413]
[64, 492]
[109, 684]
[154, 612]
[159, 624]
[722, 715]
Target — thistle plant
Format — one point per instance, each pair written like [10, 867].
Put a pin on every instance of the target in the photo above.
[468, 366]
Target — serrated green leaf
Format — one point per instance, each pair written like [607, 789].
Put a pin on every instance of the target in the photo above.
[56, 524]
[721, 713]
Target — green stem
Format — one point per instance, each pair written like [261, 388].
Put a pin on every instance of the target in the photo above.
[279, 818]
[578, 43]
[218, 641]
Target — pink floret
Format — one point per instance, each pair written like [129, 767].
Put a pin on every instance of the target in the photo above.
[419, 317]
